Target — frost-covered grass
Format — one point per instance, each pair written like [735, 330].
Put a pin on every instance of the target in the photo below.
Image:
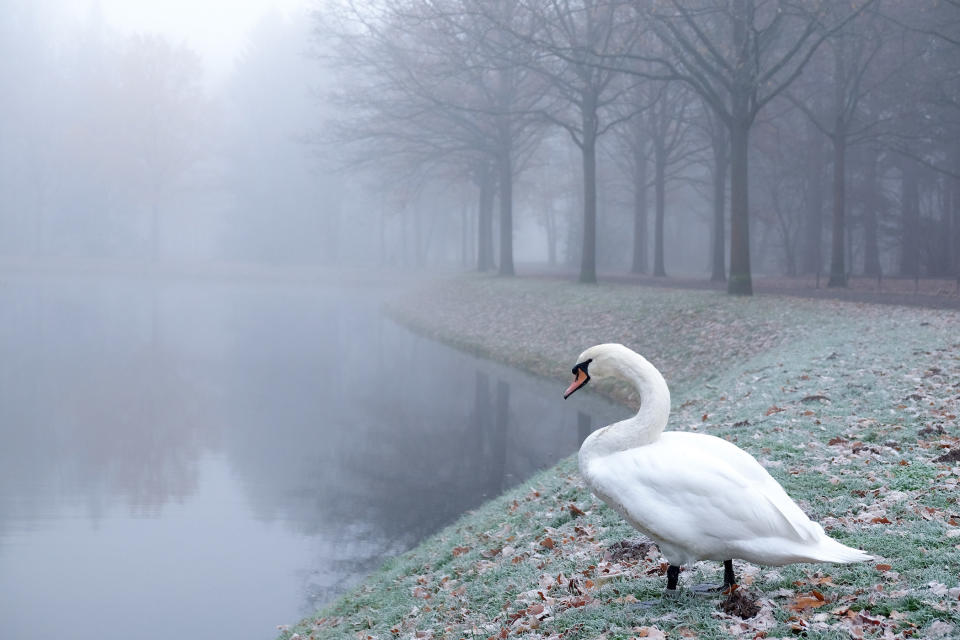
[848, 406]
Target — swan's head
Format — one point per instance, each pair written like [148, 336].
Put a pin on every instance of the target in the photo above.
[600, 361]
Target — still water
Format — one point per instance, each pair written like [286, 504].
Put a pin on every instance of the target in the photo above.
[184, 460]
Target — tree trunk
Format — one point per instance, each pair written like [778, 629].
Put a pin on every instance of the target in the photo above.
[487, 180]
[660, 179]
[838, 271]
[588, 152]
[740, 282]
[910, 221]
[551, 228]
[639, 212]
[588, 256]
[813, 222]
[506, 212]
[871, 248]
[720, 161]
[954, 213]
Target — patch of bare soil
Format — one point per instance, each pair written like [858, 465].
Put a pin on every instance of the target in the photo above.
[950, 456]
[739, 603]
[629, 550]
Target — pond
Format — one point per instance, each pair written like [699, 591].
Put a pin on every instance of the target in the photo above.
[184, 459]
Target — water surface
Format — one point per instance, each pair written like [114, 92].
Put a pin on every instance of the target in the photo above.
[185, 459]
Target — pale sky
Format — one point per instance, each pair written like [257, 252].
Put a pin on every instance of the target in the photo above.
[216, 29]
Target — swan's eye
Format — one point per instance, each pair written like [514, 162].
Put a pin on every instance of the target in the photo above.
[581, 366]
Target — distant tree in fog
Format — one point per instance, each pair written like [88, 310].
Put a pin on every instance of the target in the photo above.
[852, 52]
[93, 127]
[925, 135]
[287, 205]
[162, 119]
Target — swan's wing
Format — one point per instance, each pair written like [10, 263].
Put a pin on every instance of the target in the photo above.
[694, 498]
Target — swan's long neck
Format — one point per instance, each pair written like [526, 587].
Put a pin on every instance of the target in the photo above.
[648, 424]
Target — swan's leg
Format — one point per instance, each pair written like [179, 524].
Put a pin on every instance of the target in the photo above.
[673, 575]
[729, 577]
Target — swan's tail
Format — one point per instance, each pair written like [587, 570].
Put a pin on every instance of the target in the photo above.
[829, 550]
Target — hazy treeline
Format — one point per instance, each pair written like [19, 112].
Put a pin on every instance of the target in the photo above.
[93, 128]
[822, 135]
[705, 136]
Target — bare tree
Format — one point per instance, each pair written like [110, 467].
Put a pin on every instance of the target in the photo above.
[853, 51]
[738, 55]
[570, 34]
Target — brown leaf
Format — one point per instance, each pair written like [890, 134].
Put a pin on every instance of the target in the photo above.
[884, 567]
[578, 601]
[459, 551]
[879, 520]
[772, 410]
[574, 511]
[548, 543]
[806, 601]
[837, 440]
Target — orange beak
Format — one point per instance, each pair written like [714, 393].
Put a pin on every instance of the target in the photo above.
[580, 379]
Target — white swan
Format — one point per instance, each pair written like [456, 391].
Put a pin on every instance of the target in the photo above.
[697, 496]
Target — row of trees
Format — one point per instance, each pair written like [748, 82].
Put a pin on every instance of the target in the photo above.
[94, 128]
[764, 105]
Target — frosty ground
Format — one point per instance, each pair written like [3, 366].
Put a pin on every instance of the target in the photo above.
[852, 407]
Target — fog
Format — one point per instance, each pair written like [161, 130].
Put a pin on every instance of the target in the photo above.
[397, 134]
[203, 205]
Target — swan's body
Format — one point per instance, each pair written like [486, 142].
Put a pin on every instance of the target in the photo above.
[697, 496]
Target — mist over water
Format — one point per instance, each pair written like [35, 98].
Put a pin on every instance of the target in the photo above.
[190, 458]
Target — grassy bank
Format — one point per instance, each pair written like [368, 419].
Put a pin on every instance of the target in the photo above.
[848, 406]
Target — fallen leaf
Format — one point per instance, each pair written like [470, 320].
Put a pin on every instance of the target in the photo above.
[806, 601]
[650, 632]
[548, 543]
[884, 567]
[772, 410]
